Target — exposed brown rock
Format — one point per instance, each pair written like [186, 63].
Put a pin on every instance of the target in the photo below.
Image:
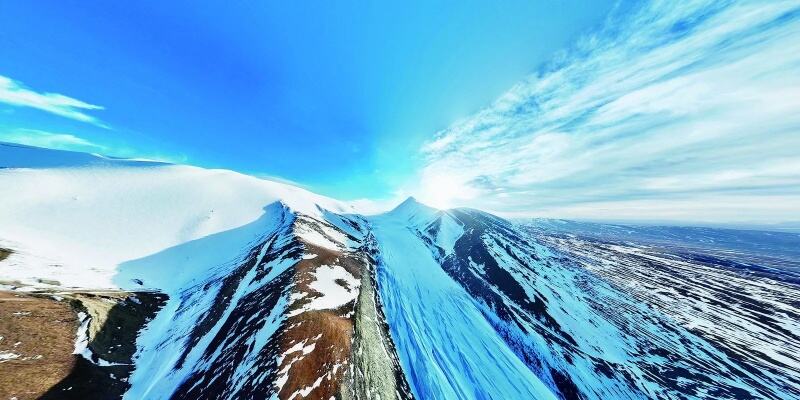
[40, 330]
[330, 331]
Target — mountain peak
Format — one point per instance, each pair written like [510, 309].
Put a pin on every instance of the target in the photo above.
[410, 200]
[411, 204]
[412, 209]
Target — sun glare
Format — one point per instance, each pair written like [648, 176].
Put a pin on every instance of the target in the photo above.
[444, 191]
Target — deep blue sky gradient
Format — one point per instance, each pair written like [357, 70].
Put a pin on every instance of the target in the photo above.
[336, 96]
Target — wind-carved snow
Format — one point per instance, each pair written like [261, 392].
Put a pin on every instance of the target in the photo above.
[753, 317]
[445, 345]
[336, 286]
[166, 359]
[584, 336]
[321, 239]
[324, 233]
[448, 232]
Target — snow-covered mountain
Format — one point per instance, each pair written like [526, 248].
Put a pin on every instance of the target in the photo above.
[275, 292]
[79, 221]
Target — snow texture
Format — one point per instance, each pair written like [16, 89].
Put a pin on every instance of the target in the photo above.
[336, 286]
[76, 217]
[446, 346]
[476, 307]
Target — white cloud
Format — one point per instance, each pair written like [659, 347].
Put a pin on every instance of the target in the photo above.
[15, 93]
[51, 140]
[668, 108]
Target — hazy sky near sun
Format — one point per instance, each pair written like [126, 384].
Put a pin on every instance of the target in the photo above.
[337, 96]
[663, 110]
[686, 111]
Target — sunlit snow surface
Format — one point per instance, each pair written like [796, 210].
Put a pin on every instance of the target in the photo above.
[76, 217]
[336, 285]
[477, 307]
[447, 347]
[650, 326]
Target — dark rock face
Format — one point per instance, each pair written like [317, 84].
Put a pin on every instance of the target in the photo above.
[104, 375]
[746, 316]
[594, 320]
[286, 320]
[302, 313]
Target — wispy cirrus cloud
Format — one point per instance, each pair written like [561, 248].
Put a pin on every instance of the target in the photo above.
[671, 109]
[17, 94]
[51, 140]
[71, 142]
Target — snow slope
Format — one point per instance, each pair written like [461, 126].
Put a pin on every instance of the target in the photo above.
[275, 292]
[74, 217]
[737, 307]
[590, 336]
[253, 269]
[446, 346]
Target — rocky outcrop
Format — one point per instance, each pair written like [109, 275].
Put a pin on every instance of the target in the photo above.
[375, 371]
[297, 317]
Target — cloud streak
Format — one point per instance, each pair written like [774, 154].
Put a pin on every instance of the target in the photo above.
[671, 109]
[51, 140]
[16, 94]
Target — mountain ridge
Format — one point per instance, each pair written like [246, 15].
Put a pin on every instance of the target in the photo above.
[275, 292]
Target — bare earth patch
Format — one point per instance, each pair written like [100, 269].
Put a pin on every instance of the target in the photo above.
[38, 335]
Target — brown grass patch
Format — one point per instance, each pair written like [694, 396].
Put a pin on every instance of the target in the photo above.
[330, 330]
[42, 332]
[332, 347]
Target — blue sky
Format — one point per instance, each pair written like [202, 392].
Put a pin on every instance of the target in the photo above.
[680, 111]
[337, 96]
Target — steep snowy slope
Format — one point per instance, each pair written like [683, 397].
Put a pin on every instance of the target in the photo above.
[282, 321]
[581, 335]
[747, 310]
[446, 346]
[269, 285]
[274, 292]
